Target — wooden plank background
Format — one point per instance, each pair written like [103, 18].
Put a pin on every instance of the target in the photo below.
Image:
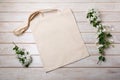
[13, 13]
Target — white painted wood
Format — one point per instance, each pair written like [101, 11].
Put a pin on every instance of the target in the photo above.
[10, 26]
[12, 61]
[105, 16]
[86, 27]
[10, 37]
[92, 37]
[28, 38]
[14, 12]
[6, 49]
[83, 26]
[112, 61]
[74, 6]
[80, 16]
[60, 74]
[67, 1]
[92, 49]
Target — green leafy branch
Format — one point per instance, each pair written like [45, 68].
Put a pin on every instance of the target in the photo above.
[103, 32]
[23, 56]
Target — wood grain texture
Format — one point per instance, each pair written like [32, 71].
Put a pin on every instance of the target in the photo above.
[89, 38]
[80, 16]
[83, 26]
[10, 26]
[63, 1]
[6, 49]
[10, 37]
[12, 61]
[92, 37]
[60, 74]
[14, 13]
[112, 61]
[74, 6]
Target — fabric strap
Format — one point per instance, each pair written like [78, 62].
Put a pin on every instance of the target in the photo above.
[21, 30]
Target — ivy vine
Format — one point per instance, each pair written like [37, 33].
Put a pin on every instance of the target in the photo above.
[103, 33]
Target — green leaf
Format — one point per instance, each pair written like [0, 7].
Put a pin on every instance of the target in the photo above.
[103, 59]
[20, 52]
[88, 15]
[101, 50]
[27, 52]
[15, 48]
[100, 58]
[108, 35]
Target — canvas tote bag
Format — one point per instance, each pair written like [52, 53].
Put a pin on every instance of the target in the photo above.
[57, 37]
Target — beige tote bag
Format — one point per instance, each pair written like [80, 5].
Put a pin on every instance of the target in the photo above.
[57, 37]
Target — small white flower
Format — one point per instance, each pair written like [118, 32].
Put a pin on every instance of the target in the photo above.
[97, 13]
[111, 40]
[108, 28]
[96, 41]
[90, 10]
[99, 33]
[94, 15]
[27, 60]
[104, 30]
[111, 28]
[19, 55]
[99, 45]
[96, 21]
[97, 26]
[92, 18]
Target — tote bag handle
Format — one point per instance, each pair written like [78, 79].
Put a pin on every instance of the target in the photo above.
[21, 30]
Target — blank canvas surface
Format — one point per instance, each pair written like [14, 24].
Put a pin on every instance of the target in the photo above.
[58, 39]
